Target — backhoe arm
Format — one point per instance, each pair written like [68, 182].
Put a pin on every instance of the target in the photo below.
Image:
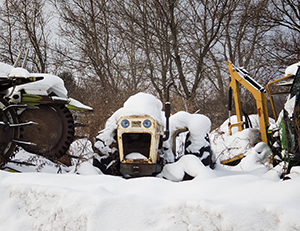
[240, 76]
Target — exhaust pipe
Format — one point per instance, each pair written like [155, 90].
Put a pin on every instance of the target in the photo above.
[167, 113]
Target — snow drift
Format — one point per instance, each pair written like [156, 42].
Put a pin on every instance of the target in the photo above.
[222, 200]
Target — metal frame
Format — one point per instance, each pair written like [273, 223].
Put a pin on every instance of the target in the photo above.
[238, 76]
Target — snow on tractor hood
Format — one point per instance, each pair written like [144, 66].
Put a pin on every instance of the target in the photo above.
[144, 104]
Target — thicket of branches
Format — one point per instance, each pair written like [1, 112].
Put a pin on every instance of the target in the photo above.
[107, 50]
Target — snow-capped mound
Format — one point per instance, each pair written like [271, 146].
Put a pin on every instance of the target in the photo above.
[49, 83]
[226, 146]
[193, 141]
[198, 126]
[18, 72]
[188, 164]
[144, 104]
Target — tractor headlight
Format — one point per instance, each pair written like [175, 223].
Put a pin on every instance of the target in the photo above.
[125, 123]
[147, 123]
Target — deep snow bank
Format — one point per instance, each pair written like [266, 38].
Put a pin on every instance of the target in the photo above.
[225, 201]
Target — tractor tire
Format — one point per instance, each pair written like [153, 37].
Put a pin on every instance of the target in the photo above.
[7, 134]
[53, 133]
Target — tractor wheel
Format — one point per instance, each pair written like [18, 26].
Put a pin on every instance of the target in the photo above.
[53, 133]
[7, 133]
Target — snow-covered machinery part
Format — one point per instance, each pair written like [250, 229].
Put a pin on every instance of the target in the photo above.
[288, 125]
[131, 144]
[48, 105]
[139, 142]
[8, 133]
[135, 142]
[9, 124]
[283, 137]
[190, 136]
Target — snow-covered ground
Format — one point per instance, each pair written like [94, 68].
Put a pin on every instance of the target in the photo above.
[218, 199]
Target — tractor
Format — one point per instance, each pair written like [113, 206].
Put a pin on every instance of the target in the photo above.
[138, 139]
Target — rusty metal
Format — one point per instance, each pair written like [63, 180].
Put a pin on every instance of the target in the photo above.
[175, 135]
[167, 113]
[53, 133]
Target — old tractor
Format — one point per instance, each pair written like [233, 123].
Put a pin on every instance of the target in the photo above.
[139, 140]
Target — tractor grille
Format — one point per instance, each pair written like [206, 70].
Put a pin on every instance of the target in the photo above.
[136, 142]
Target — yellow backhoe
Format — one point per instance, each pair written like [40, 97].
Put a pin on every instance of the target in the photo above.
[288, 123]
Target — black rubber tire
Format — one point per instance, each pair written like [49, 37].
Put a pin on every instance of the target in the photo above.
[7, 134]
[53, 134]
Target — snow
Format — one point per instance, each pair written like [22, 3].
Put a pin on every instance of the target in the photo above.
[135, 156]
[49, 83]
[217, 199]
[189, 164]
[5, 69]
[19, 73]
[144, 104]
[198, 125]
[290, 105]
[77, 104]
[292, 69]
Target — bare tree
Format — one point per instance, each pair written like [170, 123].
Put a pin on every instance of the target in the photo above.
[286, 15]
[8, 37]
[245, 41]
[86, 28]
[145, 27]
[176, 37]
[91, 49]
[24, 23]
